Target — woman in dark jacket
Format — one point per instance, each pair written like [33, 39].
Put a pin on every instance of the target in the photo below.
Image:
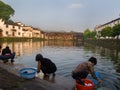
[7, 54]
[46, 65]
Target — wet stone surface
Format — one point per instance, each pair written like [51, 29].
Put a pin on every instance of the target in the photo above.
[10, 79]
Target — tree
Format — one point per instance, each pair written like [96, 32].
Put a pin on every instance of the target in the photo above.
[107, 31]
[6, 11]
[93, 34]
[87, 33]
[116, 30]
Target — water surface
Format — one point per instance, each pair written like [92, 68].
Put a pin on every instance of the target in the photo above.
[67, 55]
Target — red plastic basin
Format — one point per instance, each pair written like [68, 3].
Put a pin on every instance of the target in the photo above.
[89, 85]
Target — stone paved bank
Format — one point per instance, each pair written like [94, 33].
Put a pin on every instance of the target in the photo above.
[58, 83]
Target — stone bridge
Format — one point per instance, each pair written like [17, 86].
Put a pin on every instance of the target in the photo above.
[63, 36]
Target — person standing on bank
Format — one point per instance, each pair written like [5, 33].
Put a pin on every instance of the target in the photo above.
[83, 69]
[7, 54]
[46, 65]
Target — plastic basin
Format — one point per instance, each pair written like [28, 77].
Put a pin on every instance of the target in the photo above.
[27, 73]
[98, 75]
[89, 85]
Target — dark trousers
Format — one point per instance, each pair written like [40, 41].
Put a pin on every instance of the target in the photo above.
[4, 57]
[80, 75]
[48, 70]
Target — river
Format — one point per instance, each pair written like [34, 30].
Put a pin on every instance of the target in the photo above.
[67, 55]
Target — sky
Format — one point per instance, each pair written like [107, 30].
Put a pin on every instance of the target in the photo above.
[64, 15]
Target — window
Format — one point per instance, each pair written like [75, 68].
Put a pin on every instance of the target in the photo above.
[6, 32]
[18, 27]
[18, 33]
[6, 26]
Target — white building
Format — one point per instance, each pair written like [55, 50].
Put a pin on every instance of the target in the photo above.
[8, 30]
[112, 23]
[18, 30]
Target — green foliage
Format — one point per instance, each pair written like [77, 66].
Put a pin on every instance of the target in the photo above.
[89, 34]
[6, 11]
[116, 30]
[111, 31]
[107, 31]
[93, 34]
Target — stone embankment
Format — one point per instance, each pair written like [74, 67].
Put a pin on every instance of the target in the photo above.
[10, 80]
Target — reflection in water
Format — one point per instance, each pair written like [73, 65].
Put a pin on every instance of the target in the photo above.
[29, 47]
[49, 78]
[109, 53]
[110, 69]
[67, 55]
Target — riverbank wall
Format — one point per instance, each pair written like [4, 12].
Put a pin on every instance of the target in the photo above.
[19, 39]
[106, 43]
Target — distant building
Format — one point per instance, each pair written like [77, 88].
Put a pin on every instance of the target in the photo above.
[9, 30]
[27, 31]
[18, 30]
[37, 33]
[112, 23]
